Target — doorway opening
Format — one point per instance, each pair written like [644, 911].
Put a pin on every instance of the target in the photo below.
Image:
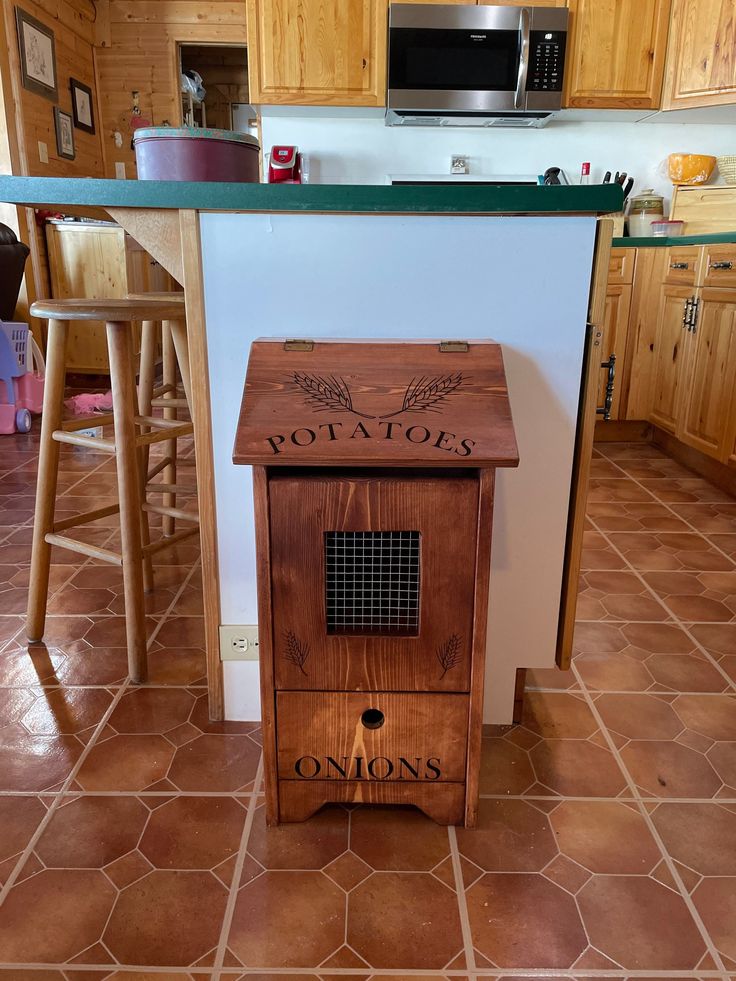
[215, 87]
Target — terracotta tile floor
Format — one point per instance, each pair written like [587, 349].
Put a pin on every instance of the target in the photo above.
[132, 839]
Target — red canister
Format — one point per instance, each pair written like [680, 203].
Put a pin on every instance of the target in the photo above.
[166, 153]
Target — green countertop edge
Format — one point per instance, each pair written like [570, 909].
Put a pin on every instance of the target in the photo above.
[661, 243]
[363, 198]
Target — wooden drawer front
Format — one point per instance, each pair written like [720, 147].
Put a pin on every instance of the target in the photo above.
[434, 655]
[621, 266]
[322, 736]
[719, 266]
[682, 264]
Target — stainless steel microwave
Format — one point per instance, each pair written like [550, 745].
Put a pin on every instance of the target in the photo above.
[466, 65]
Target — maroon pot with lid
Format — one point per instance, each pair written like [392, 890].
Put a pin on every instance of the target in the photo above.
[167, 153]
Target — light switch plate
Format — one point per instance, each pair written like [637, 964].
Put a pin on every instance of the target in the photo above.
[43, 152]
[238, 642]
[120, 170]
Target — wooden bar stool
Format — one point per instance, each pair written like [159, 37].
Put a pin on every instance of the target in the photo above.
[132, 432]
[174, 351]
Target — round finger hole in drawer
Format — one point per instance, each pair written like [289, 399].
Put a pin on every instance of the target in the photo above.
[372, 718]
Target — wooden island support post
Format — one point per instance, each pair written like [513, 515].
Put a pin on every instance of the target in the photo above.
[374, 470]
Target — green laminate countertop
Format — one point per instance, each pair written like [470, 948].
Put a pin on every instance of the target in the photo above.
[56, 193]
[661, 243]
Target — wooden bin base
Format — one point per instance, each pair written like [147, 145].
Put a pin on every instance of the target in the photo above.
[300, 799]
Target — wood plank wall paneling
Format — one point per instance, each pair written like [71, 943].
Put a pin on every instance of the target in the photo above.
[140, 54]
[28, 118]
[72, 22]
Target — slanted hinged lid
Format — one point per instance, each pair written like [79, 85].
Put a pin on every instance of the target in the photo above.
[376, 403]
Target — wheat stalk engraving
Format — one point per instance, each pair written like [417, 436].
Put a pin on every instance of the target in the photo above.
[449, 654]
[296, 652]
[425, 394]
[327, 393]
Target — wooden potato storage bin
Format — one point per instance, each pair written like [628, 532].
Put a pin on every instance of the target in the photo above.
[373, 478]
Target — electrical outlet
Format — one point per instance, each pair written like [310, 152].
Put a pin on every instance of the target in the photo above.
[238, 642]
[43, 152]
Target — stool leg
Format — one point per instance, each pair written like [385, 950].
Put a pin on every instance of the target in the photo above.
[146, 377]
[178, 330]
[169, 448]
[119, 346]
[48, 471]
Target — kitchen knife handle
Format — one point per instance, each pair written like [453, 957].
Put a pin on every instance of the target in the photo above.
[524, 28]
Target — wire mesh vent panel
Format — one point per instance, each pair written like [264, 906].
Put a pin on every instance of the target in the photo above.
[372, 582]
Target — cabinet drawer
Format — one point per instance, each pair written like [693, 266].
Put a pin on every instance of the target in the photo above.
[371, 736]
[719, 266]
[682, 264]
[621, 266]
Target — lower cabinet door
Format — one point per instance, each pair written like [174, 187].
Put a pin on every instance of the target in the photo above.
[669, 356]
[371, 736]
[615, 329]
[705, 418]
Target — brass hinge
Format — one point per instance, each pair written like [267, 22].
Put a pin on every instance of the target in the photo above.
[298, 344]
[454, 347]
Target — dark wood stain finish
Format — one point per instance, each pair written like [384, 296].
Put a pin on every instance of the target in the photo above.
[377, 437]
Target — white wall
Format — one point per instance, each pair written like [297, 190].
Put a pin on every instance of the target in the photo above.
[394, 276]
[355, 147]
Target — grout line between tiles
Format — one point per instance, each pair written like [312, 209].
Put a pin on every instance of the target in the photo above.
[58, 797]
[397, 973]
[462, 901]
[56, 802]
[674, 618]
[687, 899]
[237, 872]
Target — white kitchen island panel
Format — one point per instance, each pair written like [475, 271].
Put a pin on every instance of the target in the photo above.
[520, 280]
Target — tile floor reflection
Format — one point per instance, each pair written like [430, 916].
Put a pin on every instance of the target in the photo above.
[133, 843]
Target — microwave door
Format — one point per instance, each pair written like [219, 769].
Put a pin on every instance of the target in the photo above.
[467, 69]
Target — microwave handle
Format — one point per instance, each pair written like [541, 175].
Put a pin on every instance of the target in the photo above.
[519, 97]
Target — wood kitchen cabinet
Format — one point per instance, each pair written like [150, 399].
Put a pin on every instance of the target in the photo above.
[615, 326]
[705, 421]
[97, 260]
[317, 52]
[616, 53]
[669, 356]
[701, 69]
[694, 350]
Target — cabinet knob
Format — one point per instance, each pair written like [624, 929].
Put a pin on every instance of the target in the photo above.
[721, 265]
[679, 265]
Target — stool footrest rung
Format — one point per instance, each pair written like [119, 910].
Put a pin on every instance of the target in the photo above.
[164, 403]
[89, 442]
[85, 517]
[172, 512]
[72, 425]
[171, 488]
[167, 461]
[93, 551]
[162, 543]
[161, 435]
[158, 423]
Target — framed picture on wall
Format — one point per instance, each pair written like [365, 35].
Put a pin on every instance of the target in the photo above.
[64, 133]
[82, 106]
[37, 55]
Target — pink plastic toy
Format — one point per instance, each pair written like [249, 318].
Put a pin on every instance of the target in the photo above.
[85, 405]
[21, 377]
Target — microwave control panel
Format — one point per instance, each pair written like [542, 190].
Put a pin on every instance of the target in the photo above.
[546, 60]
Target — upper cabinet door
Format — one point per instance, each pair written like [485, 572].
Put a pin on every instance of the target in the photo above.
[701, 68]
[317, 52]
[616, 53]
